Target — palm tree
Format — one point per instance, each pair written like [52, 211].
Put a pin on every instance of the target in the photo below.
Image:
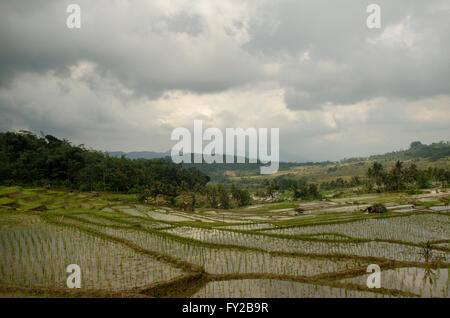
[376, 172]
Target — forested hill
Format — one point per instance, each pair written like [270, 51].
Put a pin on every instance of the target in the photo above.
[417, 150]
[27, 159]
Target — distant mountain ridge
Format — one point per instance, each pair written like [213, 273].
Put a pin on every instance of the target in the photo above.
[433, 151]
[221, 171]
[157, 155]
[139, 154]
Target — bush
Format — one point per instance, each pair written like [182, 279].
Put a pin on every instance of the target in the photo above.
[376, 208]
[241, 196]
[142, 196]
[84, 188]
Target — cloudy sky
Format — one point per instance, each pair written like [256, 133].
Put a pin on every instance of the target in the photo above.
[138, 69]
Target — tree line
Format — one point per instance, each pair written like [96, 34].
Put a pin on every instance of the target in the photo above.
[401, 178]
[301, 188]
[339, 183]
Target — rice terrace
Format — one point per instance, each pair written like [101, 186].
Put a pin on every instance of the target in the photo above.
[215, 157]
[130, 249]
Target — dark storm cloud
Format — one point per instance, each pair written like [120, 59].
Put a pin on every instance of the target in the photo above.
[138, 68]
[343, 66]
[147, 51]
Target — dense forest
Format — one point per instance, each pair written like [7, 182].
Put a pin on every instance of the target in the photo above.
[36, 161]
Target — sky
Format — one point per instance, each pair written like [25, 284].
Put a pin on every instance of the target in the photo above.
[136, 70]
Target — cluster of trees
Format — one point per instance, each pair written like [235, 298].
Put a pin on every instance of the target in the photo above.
[300, 188]
[218, 196]
[31, 160]
[400, 178]
[341, 183]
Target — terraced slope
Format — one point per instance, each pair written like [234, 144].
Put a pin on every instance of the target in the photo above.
[133, 250]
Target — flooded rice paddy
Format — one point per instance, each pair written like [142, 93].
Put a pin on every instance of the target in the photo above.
[259, 251]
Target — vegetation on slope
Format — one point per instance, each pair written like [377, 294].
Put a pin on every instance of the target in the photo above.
[31, 160]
